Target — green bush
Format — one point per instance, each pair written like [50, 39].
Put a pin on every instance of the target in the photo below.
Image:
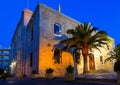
[24, 75]
[34, 72]
[49, 70]
[117, 66]
[70, 69]
[1, 71]
[4, 76]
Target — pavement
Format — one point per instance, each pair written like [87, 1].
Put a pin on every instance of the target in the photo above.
[48, 82]
[106, 78]
[99, 75]
[86, 79]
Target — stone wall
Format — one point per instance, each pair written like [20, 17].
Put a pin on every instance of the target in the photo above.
[42, 22]
[47, 40]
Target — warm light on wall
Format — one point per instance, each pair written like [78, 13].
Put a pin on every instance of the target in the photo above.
[96, 53]
[12, 66]
[5, 71]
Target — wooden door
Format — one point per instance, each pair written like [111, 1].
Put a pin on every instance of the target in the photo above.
[91, 62]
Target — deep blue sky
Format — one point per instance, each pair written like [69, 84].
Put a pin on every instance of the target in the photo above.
[104, 14]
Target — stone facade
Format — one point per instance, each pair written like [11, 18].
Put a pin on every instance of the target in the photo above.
[40, 39]
[18, 44]
[47, 40]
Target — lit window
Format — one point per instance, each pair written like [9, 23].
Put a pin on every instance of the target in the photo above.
[57, 29]
[5, 52]
[6, 57]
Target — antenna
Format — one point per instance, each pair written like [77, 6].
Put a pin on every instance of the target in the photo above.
[28, 4]
[59, 8]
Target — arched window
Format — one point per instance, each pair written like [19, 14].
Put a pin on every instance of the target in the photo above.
[57, 29]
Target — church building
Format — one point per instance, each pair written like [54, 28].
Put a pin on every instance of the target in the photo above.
[36, 34]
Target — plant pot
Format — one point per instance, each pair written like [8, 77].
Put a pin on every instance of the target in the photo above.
[69, 77]
[34, 76]
[4, 78]
[49, 76]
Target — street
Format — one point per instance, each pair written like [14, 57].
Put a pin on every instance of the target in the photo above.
[46, 82]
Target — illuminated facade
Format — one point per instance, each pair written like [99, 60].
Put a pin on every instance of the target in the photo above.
[46, 27]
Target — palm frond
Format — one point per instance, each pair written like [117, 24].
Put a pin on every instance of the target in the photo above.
[95, 47]
[109, 59]
[114, 54]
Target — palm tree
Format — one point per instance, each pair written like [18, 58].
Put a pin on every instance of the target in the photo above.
[85, 38]
[115, 55]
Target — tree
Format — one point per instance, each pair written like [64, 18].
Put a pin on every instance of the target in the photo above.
[115, 55]
[1, 71]
[85, 38]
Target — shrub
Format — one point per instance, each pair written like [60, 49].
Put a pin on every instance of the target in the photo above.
[34, 72]
[49, 70]
[1, 71]
[24, 75]
[70, 69]
[117, 66]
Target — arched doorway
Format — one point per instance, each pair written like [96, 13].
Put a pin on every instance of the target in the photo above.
[91, 62]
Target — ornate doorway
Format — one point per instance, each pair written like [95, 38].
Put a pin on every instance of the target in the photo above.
[91, 62]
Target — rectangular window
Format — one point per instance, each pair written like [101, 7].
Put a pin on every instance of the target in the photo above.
[108, 47]
[58, 60]
[57, 56]
[101, 59]
[57, 29]
[5, 52]
[31, 59]
[6, 57]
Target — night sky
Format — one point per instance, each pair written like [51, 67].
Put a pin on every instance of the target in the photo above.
[104, 14]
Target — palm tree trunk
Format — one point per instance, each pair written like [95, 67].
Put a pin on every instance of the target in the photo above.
[85, 65]
[85, 54]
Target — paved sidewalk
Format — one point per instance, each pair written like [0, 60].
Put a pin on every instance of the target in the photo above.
[55, 81]
[97, 79]
[106, 78]
[99, 75]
